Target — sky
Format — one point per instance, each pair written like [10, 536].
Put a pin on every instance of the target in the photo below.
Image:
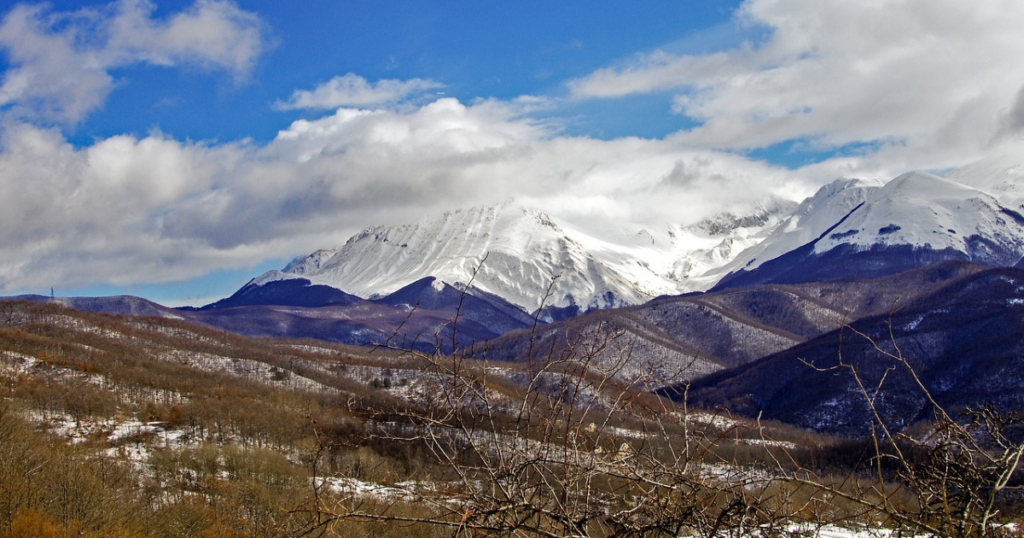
[174, 150]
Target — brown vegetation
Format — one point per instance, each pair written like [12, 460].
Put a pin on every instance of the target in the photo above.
[142, 427]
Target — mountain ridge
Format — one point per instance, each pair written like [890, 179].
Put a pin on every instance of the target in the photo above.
[517, 253]
[914, 220]
[959, 337]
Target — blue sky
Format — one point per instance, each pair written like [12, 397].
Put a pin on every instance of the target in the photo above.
[173, 150]
[498, 50]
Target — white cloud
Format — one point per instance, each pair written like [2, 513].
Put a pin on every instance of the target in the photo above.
[60, 62]
[49, 77]
[214, 34]
[925, 84]
[128, 210]
[89, 215]
[352, 90]
[921, 78]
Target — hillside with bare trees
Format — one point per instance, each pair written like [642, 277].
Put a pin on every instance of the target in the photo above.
[143, 426]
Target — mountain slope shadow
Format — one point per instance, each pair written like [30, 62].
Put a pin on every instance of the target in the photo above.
[961, 340]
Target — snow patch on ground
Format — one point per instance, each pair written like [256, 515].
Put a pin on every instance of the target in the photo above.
[408, 491]
[113, 430]
[245, 368]
[721, 422]
[913, 324]
[14, 364]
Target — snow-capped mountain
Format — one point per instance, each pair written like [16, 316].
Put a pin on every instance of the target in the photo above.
[930, 212]
[861, 229]
[812, 218]
[513, 251]
[849, 228]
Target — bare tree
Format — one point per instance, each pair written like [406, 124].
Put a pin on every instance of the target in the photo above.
[950, 480]
[566, 446]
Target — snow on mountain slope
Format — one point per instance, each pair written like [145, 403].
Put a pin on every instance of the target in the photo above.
[927, 211]
[1001, 176]
[599, 264]
[812, 218]
[858, 229]
[972, 213]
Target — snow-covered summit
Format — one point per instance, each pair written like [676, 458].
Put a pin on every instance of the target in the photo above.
[309, 264]
[812, 218]
[514, 251]
[927, 211]
[856, 228]
[850, 227]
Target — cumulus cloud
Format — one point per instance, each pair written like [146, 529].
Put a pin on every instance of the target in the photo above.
[352, 90]
[90, 215]
[153, 209]
[60, 62]
[213, 34]
[916, 78]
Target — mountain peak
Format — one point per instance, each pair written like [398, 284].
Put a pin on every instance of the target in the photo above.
[309, 264]
[515, 251]
[925, 186]
[923, 210]
[850, 229]
[812, 218]
[520, 253]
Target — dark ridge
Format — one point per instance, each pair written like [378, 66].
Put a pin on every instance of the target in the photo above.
[961, 338]
[292, 292]
[472, 304]
[559, 313]
[1017, 217]
[121, 305]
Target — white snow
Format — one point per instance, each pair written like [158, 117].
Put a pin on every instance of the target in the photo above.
[924, 210]
[917, 209]
[809, 221]
[914, 323]
[15, 364]
[598, 264]
[250, 369]
[403, 491]
[1000, 175]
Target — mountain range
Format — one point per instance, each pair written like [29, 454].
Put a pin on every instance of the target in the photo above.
[960, 339]
[534, 260]
[561, 268]
[735, 308]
